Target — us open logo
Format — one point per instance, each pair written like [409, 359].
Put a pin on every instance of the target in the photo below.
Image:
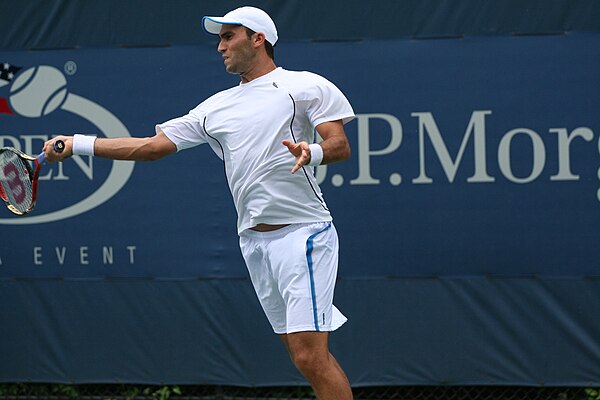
[38, 91]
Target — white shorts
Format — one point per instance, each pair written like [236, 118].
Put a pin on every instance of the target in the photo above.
[293, 270]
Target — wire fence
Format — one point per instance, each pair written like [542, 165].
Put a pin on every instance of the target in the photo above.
[29, 391]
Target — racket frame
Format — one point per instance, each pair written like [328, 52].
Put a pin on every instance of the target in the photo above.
[34, 174]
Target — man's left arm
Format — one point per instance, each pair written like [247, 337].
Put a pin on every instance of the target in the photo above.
[335, 146]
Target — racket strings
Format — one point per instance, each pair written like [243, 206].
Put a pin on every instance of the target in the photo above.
[15, 182]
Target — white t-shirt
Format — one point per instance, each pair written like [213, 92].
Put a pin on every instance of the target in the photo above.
[245, 126]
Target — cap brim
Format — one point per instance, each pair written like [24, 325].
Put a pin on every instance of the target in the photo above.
[213, 25]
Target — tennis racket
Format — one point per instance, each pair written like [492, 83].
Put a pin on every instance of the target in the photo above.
[19, 180]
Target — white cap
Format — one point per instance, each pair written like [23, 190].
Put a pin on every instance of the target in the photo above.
[250, 17]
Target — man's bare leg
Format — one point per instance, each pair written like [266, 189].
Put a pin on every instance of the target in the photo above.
[310, 353]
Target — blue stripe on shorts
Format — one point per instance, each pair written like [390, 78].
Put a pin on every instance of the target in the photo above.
[309, 249]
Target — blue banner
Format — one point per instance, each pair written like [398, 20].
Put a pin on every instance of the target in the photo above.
[476, 156]
[468, 218]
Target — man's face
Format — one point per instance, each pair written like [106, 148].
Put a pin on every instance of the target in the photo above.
[236, 48]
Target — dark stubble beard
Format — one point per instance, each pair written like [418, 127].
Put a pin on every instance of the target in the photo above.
[244, 59]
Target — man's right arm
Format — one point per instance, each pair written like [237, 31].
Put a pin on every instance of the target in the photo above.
[128, 148]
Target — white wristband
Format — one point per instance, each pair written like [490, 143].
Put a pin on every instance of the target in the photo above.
[83, 145]
[316, 154]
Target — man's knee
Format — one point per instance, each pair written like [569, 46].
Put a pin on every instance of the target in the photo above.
[308, 350]
[307, 360]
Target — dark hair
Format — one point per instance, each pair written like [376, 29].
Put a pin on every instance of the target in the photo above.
[268, 46]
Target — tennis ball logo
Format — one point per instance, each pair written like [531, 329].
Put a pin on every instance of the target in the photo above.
[38, 91]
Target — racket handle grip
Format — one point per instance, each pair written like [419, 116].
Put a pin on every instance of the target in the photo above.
[59, 146]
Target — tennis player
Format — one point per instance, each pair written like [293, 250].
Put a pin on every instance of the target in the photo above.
[264, 131]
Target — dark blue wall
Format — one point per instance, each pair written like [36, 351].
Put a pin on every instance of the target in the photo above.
[44, 24]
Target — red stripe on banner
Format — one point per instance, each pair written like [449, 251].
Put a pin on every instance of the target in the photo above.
[4, 107]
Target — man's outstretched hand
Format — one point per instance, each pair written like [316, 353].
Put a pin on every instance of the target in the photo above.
[301, 151]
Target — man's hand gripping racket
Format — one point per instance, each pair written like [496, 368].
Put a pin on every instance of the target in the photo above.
[18, 180]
